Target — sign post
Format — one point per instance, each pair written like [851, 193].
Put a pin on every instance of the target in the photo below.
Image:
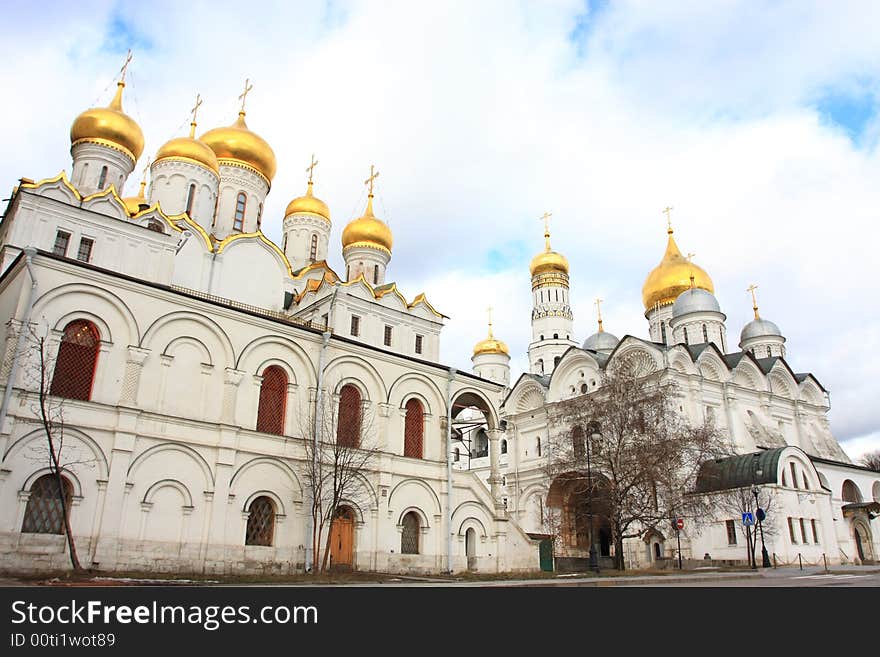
[748, 521]
[679, 525]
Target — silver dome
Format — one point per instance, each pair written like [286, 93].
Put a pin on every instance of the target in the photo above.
[695, 300]
[602, 341]
[759, 328]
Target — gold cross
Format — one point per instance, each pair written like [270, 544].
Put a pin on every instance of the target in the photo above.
[124, 68]
[243, 97]
[195, 110]
[598, 303]
[689, 257]
[373, 176]
[546, 217]
[489, 310]
[667, 210]
[751, 288]
[311, 167]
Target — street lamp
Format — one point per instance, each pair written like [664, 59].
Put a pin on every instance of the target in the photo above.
[759, 514]
[594, 558]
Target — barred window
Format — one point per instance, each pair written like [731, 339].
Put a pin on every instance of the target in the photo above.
[409, 538]
[414, 429]
[731, 532]
[62, 239]
[44, 514]
[705, 334]
[273, 399]
[85, 249]
[387, 340]
[313, 249]
[355, 325]
[418, 344]
[261, 522]
[77, 359]
[348, 428]
[102, 179]
[240, 205]
[577, 441]
[539, 445]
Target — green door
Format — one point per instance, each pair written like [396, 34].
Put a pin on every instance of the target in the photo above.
[545, 549]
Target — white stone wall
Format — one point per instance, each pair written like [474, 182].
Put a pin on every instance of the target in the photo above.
[298, 230]
[88, 161]
[170, 181]
[235, 179]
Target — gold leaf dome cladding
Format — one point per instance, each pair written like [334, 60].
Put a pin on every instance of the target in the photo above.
[368, 230]
[490, 346]
[672, 277]
[188, 148]
[548, 261]
[133, 204]
[109, 125]
[309, 204]
[236, 142]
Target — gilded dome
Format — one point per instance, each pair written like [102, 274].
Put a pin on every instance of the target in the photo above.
[134, 204]
[110, 126]
[309, 204]
[368, 231]
[672, 277]
[189, 149]
[548, 261]
[490, 346]
[238, 144]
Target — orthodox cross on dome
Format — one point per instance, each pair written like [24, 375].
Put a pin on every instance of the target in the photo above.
[194, 111]
[369, 181]
[751, 288]
[546, 217]
[311, 167]
[598, 303]
[243, 97]
[690, 257]
[489, 312]
[667, 211]
[124, 68]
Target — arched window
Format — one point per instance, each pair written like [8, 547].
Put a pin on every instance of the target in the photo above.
[541, 365]
[409, 537]
[414, 429]
[273, 400]
[504, 447]
[850, 493]
[705, 335]
[555, 336]
[76, 362]
[686, 335]
[155, 226]
[240, 205]
[259, 216]
[44, 513]
[539, 445]
[456, 455]
[261, 522]
[313, 249]
[556, 361]
[190, 199]
[577, 442]
[284, 244]
[584, 388]
[348, 428]
[663, 332]
[375, 274]
[102, 179]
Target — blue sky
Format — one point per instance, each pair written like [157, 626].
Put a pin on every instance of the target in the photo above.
[757, 121]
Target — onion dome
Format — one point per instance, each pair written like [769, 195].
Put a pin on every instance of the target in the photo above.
[490, 345]
[109, 126]
[236, 144]
[368, 231]
[308, 204]
[695, 300]
[601, 341]
[189, 149]
[548, 260]
[759, 328]
[134, 204]
[672, 277]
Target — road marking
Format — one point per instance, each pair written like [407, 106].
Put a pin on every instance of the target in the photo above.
[830, 576]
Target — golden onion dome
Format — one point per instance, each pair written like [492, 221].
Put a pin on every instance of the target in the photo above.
[548, 261]
[238, 144]
[134, 204]
[672, 277]
[368, 231]
[490, 346]
[109, 126]
[308, 204]
[189, 149]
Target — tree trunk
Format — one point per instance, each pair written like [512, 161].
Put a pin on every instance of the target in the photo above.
[71, 544]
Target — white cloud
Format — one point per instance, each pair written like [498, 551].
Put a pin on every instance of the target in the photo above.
[481, 116]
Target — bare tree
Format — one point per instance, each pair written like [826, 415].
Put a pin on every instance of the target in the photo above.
[339, 460]
[734, 502]
[643, 456]
[49, 410]
[871, 460]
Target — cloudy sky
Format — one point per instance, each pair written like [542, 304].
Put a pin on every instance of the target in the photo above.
[758, 122]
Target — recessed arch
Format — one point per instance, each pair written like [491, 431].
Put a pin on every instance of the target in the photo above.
[283, 467]
[112, 305]
[365, 373]
[169, 483]
[277, 347]
[39, 434]
[191, 341]
[174, 447]
[420, 484]
[184, 317]
[467, 397]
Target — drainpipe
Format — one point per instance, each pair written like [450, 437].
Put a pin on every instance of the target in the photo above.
[319, 412]
[29, 253]
[449, 377]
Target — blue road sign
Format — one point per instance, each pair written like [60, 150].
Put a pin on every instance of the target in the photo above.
[748, 519]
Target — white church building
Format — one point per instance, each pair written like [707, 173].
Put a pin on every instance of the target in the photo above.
[190, 351]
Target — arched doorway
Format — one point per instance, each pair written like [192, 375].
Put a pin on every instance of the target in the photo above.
[583, 512]
[864, 549]
[342, 539]
[470, 548]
